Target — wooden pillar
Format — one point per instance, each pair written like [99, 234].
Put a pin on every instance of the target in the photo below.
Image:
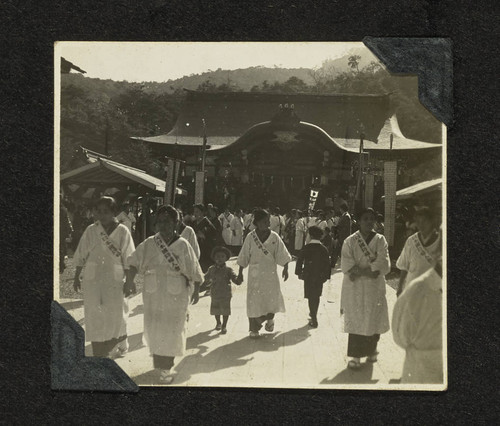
[390, 182]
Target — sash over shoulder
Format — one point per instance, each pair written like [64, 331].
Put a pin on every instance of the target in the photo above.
[421, 250]
[259, 243]
[364, 247]
[107, 241]
[170, 258]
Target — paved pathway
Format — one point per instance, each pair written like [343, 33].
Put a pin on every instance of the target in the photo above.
[294, 355]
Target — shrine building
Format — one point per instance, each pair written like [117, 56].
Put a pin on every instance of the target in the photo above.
[266, 149]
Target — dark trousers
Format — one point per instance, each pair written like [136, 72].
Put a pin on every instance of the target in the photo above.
[256, 323]
[102, 349]
[163, 362]
[361, 346]
[337, 252]
[313, 307]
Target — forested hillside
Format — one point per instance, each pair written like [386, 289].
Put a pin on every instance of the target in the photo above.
[102, 115]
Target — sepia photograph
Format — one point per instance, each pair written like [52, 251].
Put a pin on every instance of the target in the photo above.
[250, 214]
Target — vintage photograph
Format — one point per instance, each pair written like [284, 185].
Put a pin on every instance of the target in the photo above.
[250, 214]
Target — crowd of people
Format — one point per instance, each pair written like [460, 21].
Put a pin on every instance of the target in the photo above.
[187, 252]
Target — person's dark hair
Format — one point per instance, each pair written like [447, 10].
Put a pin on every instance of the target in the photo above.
[344, 207]
[170, 211]
[424, 212]
[315, 232]
[366, 211]
[328, 210]
[108, 202]
[200, 207]
[259, 214]
[380, 218]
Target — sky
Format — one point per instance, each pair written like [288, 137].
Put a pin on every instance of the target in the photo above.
[161, 61]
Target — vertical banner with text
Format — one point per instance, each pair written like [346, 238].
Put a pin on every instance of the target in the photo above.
[390, 181]
[169, 182]
[199, 187]
[312, 200]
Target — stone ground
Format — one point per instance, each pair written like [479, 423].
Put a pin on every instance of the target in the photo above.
[293, 356]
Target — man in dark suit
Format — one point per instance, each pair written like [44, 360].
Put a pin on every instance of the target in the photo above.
[313, 266]
[343, 231]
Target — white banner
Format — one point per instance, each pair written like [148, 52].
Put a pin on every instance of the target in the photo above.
[169, 183]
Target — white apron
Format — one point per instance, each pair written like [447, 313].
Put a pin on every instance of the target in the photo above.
[417, 259]
[103, 257]
[226, 227]
[263, 290]
[363, 301]
[168, 286]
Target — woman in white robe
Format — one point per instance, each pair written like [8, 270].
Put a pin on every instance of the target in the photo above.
[420, 250]
[262, 251]
[237, 232]
[172, 276]
[225, 221]
[188, 234]
[365, 262]
[102, 253]
[417, 327]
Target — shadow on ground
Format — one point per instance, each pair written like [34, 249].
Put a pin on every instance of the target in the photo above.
[234, 354]
[73, 304]
[352, 377]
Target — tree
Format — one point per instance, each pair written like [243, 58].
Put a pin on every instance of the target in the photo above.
[353, 62]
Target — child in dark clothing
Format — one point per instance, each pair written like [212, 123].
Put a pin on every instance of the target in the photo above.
[218, 278]
[313, 266]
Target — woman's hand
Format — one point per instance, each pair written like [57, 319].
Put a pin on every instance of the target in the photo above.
[240, 278]
[77, 285]
[285, 273]
[129, 288]
[195, 297]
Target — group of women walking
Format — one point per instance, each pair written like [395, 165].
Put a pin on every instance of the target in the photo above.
[173, 262]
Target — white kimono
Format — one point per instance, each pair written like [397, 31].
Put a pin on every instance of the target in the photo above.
[417, 259]
[226, 227]
[263, 290]
[124, 219]
[105, 307]
[167, 293]
[300, 232]
[189, 235]
[417, 327]
[237, 231]
[277, 224]
[363, 302]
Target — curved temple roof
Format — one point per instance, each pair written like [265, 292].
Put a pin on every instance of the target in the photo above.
[341, 118]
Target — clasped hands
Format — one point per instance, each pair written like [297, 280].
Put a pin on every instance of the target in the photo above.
[357, 272]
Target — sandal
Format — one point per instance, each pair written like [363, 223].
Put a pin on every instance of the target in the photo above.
[254, 335]
[313, 324]
[354, 365]
[218, 327]
[269, 325]
[166, 377]
[223, 331]
[372, 358]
